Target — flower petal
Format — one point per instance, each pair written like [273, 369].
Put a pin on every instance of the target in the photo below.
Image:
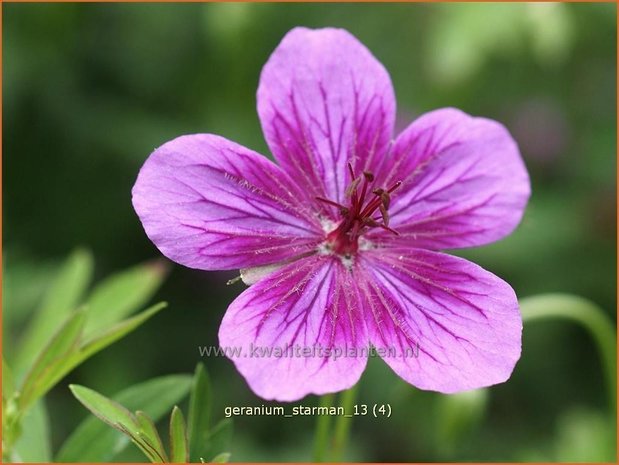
[211, 204]
[464, 182]
[324, 101]
[310, 305]
[443, 323]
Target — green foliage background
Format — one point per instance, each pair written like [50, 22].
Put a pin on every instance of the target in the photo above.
[90, 90]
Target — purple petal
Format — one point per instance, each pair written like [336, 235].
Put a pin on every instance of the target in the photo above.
[312, 305]
[324, 101]
[443, 323]
[211, 204]
[464, 182]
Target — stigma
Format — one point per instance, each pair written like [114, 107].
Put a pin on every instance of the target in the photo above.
[367, 207]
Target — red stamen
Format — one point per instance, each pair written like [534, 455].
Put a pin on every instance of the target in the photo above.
[332, 203]
[394, 186]
[375, 224]
[371, 206]
[358, 215]
[387, 228]
[352, 172]
[367, 179]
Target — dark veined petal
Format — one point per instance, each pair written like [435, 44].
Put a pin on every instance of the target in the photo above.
[211, 204]
[324, 101]
[308, 307]
[443, 323]
[464, 182]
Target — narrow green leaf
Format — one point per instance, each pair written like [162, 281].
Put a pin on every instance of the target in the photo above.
[199, 412]
[178, 437]
[93, 441]
[62, 298]
[116, 416]
[121, 294]
[219, 439]
[224, 457]
[8, 383]
[34, 443]
[112, 413]
[138, 439]
[64, 343]
[151, 435]
[59, 368]
[118, 331]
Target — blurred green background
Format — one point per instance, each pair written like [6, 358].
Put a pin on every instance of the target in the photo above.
[90, 90]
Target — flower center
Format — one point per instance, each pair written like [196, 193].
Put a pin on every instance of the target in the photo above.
[368, 208]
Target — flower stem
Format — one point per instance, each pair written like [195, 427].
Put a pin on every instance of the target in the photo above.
[343, 424]
[323, 427]
[591, 317]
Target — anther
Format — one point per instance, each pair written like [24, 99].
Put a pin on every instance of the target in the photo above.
[353, 187]
[385, 199]
[384, 214]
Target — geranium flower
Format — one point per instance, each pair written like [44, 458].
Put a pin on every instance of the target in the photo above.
[342, 234]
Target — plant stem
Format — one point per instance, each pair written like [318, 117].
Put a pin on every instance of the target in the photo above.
[343, 424]
[11, 427]
[591, 317]
[323, 426]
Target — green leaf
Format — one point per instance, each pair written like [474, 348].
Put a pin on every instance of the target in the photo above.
[178, 437]
[93, 441]
[59, 368]
[34, 444]
[115, 415]
[224, 457]
[219, 439]
[151, 435]
[8, 383]
[118, 331]
[145, 447]
[60, 300]
[199, 413]
[121, 294]
[61, 346]
[112, 413]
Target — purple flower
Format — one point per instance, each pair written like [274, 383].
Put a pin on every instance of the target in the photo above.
[342, 235]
